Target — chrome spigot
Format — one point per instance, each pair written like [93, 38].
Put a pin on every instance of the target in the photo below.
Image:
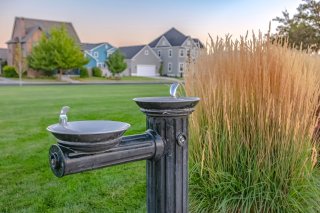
[173, 89]
[63, 118]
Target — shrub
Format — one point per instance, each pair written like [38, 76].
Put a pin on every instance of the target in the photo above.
[96, 71]
[84, 72]
[251, 139]
[116, 63]
[10, 72]
[160, 71]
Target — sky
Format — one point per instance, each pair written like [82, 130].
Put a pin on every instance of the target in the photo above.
[134, 22]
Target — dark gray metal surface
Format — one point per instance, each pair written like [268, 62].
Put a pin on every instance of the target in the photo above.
[90, 146]
[167, 178]
[64, 161]
[88, 131]
[166, 103]
[87, 145]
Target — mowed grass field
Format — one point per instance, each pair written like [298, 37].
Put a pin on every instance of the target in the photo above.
[26, 181]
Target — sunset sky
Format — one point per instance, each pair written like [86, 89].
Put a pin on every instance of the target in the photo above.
[130, 22]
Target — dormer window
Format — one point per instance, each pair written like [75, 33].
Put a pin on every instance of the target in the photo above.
[170, 52]
[146, 52]
[96, 54]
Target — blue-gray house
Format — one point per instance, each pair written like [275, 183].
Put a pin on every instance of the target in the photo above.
[97, 54]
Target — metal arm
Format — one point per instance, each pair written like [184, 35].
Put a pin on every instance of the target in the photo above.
[64, 161]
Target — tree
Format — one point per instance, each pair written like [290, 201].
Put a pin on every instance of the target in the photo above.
[19, 61]
[116, 63]
[303, 29]
[56, 51]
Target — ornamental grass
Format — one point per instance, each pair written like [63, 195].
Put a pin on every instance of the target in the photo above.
[252, 146]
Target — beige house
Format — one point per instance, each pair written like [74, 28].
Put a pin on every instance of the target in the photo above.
[28, 32]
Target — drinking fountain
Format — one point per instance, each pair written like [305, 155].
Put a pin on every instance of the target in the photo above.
[88, 145]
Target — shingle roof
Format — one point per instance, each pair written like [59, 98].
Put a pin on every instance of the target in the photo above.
[89, 46]
[130, 51]
[198, 42]
[3, 53]
[175, 38]
[30, 25]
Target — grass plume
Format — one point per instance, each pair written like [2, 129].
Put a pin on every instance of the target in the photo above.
[251, 140]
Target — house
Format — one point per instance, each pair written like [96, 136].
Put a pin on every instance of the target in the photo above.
[141, 61]
[175, 50]
[28, 32]
[3, 58]
[97, 54]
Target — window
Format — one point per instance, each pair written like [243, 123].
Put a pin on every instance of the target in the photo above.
[101, 65]
[188, 52]
[159, 53]
[170, 53]
[169, 67]
[181, 53]
[146, 52]
[181, 65]
[96, 54]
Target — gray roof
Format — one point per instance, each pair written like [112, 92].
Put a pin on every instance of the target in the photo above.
[174, 37]
[31, 25]
[130, 51]
[89, 46]
[3, 54]
[198, 43]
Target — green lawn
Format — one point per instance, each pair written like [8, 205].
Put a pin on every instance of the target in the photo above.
[26, 182]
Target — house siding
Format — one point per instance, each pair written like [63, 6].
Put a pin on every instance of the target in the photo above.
[175, 60]
[27, 32]
[142, 59]
[104, 51]
[92, 62]
[175, 39]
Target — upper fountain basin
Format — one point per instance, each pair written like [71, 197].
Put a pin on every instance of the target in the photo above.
[163, 103]
[89, 131]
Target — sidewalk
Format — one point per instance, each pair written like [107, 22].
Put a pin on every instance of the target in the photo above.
[66, 80]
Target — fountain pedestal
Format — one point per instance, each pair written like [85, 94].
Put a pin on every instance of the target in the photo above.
[87, 145]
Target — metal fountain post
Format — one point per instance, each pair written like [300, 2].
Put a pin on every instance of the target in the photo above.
[87, 145]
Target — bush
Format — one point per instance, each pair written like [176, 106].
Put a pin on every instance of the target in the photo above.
[84, 72]
[96, 71]
[160, 71]
[10, 72]
[251, 137]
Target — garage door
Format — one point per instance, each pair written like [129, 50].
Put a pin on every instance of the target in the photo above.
[146, 70]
